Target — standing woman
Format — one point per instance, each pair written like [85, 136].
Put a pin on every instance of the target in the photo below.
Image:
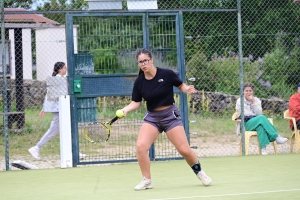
[60, 70]
[155, 86]
[256, 121]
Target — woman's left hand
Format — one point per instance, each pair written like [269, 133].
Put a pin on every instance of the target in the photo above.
[190, 89]
[42, 113]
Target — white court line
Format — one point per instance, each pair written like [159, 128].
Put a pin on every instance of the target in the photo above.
[224, 195]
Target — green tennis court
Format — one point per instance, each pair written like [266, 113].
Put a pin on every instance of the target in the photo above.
[243, 177]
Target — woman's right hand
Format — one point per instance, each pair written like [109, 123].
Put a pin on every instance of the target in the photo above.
[42, 113]
[250, 98]
[131, 107]
[125, 111]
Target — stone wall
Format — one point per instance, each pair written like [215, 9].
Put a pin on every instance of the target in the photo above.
[219, 103]
[34, 92]
[216, 102]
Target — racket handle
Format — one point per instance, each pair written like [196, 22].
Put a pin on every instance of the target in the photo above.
[114, 119]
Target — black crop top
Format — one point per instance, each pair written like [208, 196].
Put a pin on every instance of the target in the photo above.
[157, 91]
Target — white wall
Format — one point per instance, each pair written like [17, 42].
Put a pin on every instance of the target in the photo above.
[6, 56]
[117, 4]
[51, 48]
[27, 54]
[26, 51]
[141, 4]
[11, 36]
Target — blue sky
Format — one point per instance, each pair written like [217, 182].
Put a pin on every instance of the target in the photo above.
[38, 3]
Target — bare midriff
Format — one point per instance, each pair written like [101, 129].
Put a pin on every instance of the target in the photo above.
[162, 108]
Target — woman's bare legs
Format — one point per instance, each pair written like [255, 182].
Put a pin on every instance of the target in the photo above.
[146, 137]
[178, 138]
[176, 135]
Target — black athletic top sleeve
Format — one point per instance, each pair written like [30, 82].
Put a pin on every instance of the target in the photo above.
[157, 91]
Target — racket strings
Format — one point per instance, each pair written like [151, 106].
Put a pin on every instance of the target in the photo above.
[96, 132]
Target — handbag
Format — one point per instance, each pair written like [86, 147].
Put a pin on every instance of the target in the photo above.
[246, 118]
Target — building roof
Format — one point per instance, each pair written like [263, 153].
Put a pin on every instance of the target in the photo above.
[26, 18]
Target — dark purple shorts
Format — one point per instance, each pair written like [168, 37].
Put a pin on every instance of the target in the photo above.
[164, 120]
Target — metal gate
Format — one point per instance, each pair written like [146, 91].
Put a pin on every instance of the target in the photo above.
[102, 68]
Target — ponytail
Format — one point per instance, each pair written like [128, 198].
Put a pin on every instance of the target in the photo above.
[57, 66]
[141, 72]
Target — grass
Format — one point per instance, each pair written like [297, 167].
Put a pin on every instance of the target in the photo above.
[240, 177]
[35, 128]
[208, 127]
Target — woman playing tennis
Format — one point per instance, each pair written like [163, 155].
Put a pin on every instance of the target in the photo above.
[155, 86]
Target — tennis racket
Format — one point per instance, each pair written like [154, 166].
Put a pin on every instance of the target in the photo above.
[98, 132]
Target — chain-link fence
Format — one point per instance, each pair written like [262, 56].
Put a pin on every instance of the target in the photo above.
[34, 37]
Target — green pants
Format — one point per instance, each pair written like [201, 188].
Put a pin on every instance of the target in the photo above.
[266, 132]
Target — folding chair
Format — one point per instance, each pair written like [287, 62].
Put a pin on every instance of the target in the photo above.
[249, 134]
[295, 133]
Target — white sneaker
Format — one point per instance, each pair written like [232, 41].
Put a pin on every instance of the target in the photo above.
[264, 151]
[81, 156]
[144, 184]
[206, 180]
[281, 140]
[35, 152]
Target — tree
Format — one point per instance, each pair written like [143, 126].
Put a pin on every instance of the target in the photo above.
[62, 5]
[18, 4]
[262, 21]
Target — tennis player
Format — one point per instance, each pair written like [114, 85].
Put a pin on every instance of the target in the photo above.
[155, 86]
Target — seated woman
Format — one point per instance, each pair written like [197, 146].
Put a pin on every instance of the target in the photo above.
[256, 121]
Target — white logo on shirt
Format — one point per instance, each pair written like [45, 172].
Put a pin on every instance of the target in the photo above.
[160, 80]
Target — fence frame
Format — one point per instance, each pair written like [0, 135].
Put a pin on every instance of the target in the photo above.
[72, 77]
[69, 29]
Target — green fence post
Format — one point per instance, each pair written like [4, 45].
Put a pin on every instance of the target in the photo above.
[86, 107]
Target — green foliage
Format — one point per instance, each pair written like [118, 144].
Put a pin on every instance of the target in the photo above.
[12, 105]
[163, 39]
[218, 31]
[280, 68]
[198, 68]
[34, 74]
[18, 4]
[292, 64]
[225, 71]
[62, 5]
[28, 128]
[220, 73]
[262, 20]
[105, 61]
[112, 41]
[211, 37]
[273, 75]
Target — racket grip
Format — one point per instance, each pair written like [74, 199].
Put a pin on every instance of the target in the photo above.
[114, 119]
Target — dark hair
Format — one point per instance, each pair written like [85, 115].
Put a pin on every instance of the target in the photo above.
[248, 84]
[143, 51]
[57, 66]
